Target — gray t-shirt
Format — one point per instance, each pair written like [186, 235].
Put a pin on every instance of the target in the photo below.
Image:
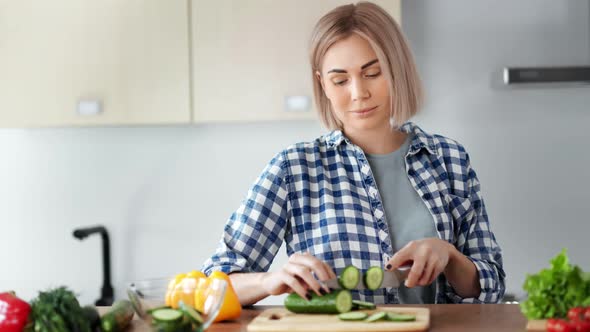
[407, 216]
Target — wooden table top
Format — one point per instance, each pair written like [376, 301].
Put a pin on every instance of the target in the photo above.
[443, 317]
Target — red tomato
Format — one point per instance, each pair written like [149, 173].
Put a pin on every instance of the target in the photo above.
[587, 314]
[559, 325]
[575, 314]
[581, 326]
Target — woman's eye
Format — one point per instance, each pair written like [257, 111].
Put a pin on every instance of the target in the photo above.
[373, 74]
[340, 82]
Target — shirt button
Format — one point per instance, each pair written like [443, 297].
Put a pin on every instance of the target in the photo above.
[365, 168]
[373, 191]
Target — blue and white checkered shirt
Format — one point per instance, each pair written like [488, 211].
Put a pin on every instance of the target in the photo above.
[321, 197]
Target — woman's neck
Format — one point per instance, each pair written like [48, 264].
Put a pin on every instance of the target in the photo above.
[377, 141]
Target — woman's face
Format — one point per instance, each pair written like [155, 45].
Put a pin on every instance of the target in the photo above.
[353, 82]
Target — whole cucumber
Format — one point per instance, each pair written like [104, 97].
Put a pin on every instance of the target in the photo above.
[336, 302]
[118, 318]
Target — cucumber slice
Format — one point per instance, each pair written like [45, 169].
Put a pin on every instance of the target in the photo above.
[171, 327]
[149, 311]
[332, 303]
[373, 278]
[356, 304]
[353, 315]
[377, 316]
[396, 317]
[192, 314]
[166, 315]
[349, 277]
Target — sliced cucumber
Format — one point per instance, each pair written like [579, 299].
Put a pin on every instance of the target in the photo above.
[192, 314]
[149, 311]
[353, 315]
[167, 315]
[396, 317]
[172, 327]
[373, 277]
[356, 304]
[349, 277]
[336, 302]
[377, 316]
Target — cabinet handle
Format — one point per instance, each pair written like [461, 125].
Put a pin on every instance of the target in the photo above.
[89, 107]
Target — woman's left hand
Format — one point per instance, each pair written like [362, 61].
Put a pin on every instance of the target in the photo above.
[429, 258]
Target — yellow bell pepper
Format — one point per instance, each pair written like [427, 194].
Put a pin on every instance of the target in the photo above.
[196, 274]
[170, 301]
[185, 287]
[231, 307]
[182, 288]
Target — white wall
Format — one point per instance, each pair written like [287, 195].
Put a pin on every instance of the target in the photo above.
[165, 192]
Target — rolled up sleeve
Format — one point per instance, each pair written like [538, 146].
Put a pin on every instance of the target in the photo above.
[255, 231]
[478, 243]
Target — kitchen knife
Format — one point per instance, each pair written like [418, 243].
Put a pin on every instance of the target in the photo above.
[390, 279]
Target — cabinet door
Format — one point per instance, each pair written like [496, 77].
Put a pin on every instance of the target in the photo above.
[248, 56]
[129, 56]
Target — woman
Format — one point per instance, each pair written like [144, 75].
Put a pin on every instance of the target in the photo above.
[375, 191]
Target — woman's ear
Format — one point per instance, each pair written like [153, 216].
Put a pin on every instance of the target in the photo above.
[318, 77]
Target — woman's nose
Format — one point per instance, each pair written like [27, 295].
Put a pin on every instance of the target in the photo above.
[359, 90]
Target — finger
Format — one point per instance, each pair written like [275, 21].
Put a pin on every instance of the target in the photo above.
[294, 284]
[415, 273]
[305, 275]
[426, 274]
[312, 263]
[319, 268]
[332, 275]
[400, 258]
[330, 270]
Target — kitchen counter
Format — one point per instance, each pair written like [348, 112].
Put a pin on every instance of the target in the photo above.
[443, 317]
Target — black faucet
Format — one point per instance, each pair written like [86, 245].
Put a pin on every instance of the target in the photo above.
[106, 294]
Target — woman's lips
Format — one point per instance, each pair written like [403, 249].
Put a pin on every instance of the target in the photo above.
[364, 111]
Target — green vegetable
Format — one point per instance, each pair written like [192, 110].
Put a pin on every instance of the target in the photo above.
[192, 314]
[92, 316]
[396, 317]
[552, 292]
[356, 305]
[379, 315]
[349, 277]
[118, 317]
[338, 301]
[373, 277]
[149, 311]
[57, 310]
[353, 315]
[167, 315]
[185, 319]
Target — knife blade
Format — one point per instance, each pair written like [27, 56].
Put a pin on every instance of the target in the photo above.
[392, 278]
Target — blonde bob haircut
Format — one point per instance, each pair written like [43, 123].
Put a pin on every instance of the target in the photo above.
[374, 24]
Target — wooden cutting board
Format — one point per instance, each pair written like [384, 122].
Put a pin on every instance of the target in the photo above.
[280, 319]
[536, 325]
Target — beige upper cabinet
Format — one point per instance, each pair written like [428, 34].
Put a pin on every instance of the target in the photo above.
[62, 59]
[250, 55]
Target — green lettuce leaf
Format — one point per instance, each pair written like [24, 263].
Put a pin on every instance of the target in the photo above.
[553, 291]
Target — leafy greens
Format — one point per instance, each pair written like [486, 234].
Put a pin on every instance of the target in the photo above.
[553, 291]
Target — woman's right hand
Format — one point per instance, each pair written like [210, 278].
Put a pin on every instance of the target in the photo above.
[298, 276]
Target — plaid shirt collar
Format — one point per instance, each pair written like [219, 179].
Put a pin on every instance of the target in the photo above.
[420, 139]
